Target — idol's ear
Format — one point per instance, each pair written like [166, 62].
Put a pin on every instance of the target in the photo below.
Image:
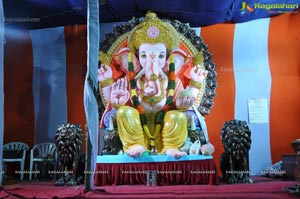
[121, 58]
[180, 59]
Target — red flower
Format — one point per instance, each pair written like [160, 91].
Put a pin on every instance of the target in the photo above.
[131, 75]
[140, 109]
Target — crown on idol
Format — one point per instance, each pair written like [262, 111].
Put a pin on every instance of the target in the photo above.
[153, 30]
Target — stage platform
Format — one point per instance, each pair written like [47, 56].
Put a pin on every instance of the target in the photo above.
[126, 170]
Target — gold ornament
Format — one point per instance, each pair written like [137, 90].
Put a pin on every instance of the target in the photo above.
[195, 84]
[198, 58]
[153, 31]
[104, 58]
[153, 77]
[106, 82]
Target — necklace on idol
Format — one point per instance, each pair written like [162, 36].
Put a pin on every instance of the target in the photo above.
[136, 103]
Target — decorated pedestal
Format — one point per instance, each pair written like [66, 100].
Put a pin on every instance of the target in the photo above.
[187, 170]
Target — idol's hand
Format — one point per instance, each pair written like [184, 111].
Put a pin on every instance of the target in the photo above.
[183, 103]
[119, 93]
[104, 72]
[198, 74]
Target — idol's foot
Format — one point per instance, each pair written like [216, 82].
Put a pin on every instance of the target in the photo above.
[175, 153]
[135, 151]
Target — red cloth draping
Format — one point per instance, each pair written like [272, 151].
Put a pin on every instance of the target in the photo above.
[168, 173]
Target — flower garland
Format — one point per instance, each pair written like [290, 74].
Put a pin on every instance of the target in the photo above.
[140, 108]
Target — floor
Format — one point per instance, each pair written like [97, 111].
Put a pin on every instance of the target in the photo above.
[261, 188]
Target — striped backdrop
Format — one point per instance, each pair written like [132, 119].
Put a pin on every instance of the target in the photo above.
[44, 75]
[45, 70]
[257, 59]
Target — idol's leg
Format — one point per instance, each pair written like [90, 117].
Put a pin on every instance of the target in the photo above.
[174, 133]
[130, 131]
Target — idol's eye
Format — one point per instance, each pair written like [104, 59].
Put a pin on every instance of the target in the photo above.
[161, 56]
[143, 56]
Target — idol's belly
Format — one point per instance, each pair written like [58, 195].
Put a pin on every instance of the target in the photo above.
[153, 108]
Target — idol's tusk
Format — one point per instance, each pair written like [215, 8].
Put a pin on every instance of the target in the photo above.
[140, 74]
[162, 73]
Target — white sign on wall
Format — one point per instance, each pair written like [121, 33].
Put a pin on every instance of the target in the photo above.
[258, 111]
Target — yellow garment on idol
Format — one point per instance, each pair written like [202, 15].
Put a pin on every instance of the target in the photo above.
[172, 135]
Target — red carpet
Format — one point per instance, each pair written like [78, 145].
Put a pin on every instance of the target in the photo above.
[262, 188]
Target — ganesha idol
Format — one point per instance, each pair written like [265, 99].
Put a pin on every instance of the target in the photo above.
[152, 81]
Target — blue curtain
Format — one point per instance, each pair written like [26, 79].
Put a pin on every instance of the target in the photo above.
[49, 82]
[1, 85]
[91, 82]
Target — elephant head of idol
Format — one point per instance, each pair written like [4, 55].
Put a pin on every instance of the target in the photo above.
[144, 49]
[150, 45]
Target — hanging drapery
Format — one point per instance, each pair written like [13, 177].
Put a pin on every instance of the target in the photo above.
[90, 87]
[49, 79]
[168, 173]
[1, 85]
